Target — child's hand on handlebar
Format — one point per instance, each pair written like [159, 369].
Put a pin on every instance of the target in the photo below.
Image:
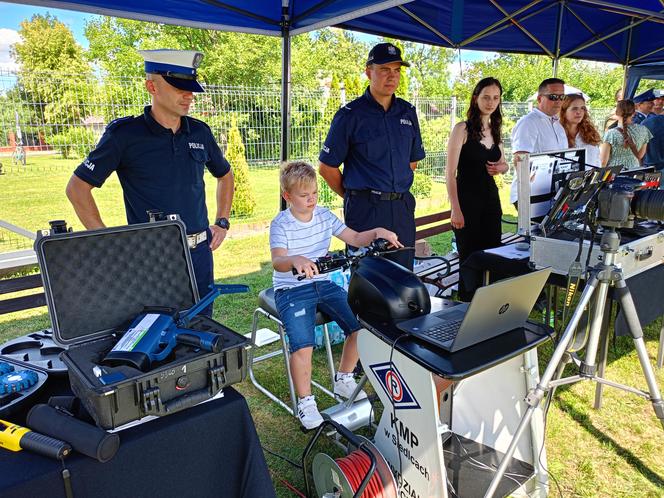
[304, 266]
[391, 237]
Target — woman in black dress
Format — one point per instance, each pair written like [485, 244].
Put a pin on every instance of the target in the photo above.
[474, 156]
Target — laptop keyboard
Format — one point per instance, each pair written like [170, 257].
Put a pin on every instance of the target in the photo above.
[443, 332]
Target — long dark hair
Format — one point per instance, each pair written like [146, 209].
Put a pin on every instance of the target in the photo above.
[473, 119]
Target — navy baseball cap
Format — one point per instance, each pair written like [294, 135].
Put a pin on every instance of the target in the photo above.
[384, 53]
[177, 67]
[645, 96]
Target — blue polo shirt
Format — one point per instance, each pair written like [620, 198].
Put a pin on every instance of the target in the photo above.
[655, 151]
[375, 146]
[158, 169]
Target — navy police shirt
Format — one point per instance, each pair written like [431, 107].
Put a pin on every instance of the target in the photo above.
[158, 169]
[375, 146]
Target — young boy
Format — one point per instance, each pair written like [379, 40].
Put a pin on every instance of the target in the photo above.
[298, 236]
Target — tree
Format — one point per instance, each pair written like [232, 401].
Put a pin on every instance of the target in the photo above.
[244, 202]
[326, 53]
[114, 44]
[48, 46]
[429, 69]
[520, 75]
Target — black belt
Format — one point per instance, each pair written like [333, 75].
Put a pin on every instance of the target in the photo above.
[383, 196]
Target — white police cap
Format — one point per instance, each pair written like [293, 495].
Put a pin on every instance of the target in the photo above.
[177, 67]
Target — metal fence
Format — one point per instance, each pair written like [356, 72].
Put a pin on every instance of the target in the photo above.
[49, 122]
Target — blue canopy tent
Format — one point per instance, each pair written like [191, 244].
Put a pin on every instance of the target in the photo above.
[652, 71]
[620, 31]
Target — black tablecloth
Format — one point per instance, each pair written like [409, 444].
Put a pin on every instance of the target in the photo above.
[209, 450]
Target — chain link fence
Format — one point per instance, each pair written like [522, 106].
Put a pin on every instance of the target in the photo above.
[49, 122]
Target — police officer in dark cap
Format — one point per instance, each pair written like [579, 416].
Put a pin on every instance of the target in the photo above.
[644, 104]
[377, 138]
[160, 158]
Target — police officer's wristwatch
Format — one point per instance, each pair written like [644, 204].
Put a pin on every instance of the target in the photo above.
[223, 223]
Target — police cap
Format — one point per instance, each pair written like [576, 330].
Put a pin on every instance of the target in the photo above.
[645, 96]
[384, 53]
[177, 67]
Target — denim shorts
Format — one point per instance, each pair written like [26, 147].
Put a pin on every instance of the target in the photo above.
[297, 310]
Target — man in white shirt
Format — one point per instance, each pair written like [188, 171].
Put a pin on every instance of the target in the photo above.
[540, 130]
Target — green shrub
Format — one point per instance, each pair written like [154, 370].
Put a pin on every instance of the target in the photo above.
[244, 202]
[422, 185]
[74, 142]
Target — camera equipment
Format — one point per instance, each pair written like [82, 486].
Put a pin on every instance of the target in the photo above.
[379, 286]
[615, 204]
[623, 200]
[153, 334]
[387, 290]
[334, 261]
[592, 201]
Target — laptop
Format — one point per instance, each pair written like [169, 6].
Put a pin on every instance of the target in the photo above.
[494, 310]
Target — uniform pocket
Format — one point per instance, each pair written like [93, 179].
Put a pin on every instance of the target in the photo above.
[199, 156]
[372, 142]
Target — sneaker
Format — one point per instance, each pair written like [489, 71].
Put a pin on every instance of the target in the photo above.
[307, 412]
[345, 385]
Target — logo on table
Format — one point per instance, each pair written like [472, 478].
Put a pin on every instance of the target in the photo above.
[394, 386]
[504, 308]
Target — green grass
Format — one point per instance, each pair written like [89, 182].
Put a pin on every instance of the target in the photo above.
[617, 451]
[33, 196]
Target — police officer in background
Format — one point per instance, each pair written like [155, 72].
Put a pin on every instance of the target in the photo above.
[160, 158]
[377, 138]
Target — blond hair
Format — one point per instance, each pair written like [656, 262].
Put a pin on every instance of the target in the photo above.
[296, 173]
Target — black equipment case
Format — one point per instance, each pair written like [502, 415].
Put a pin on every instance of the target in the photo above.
[96, 282]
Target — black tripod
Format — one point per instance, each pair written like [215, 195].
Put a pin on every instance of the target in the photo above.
[603, 275]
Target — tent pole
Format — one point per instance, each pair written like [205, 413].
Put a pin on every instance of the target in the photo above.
[627, 59]
[559, 29]
[285, 89]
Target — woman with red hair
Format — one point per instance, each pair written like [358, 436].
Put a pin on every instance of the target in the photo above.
[581, 132]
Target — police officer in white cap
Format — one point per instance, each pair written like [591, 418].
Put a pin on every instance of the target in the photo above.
[160, 158]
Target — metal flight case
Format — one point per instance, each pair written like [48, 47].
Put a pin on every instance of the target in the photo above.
[96, 282]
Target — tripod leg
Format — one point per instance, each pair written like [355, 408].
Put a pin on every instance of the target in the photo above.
[603, 352]
[589, 364]
[634, 326]
[660, 350]
[534, 397]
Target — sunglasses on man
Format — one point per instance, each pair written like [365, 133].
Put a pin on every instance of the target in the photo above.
[554, 96]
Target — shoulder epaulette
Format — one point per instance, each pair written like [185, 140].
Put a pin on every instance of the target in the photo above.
[200, 122]
[119, 122]
[405, 102]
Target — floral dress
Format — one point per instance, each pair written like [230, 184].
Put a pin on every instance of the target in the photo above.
[621, 155]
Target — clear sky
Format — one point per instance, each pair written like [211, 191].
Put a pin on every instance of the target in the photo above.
[11, 16]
